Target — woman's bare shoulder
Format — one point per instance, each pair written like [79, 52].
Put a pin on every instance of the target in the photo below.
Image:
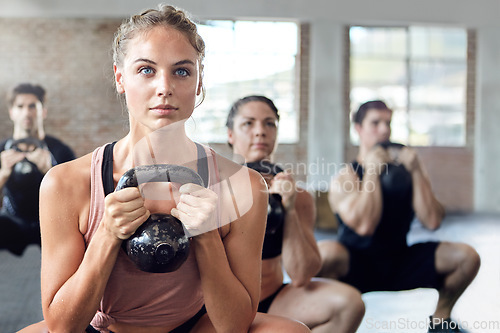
[72, 174]
[239, 174]
[241, 187]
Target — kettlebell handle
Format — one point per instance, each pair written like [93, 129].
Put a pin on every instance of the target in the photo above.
[158, 173]
[265, 167]
[390, 144]
[14, 144]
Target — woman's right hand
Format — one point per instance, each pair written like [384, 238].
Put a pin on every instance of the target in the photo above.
[124, 212]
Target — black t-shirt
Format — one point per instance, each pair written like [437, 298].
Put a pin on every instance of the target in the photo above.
[20, 198]
[394, 225]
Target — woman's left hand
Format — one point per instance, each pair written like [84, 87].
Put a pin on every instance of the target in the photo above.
[196, 209]
[284, 184]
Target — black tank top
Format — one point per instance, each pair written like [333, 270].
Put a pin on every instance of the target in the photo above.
[390, 234]
[107, 167]
[273, 242]
[273, 239]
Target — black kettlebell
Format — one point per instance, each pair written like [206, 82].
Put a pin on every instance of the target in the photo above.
[160, 244]
[275, 209]
[25, 173]
[395, 179]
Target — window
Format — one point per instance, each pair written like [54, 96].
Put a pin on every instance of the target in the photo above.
[420, 72]
[243, 58]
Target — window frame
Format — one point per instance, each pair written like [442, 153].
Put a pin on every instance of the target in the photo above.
[295, 108]
[470, 82]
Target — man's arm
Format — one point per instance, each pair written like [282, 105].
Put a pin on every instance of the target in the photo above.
[358, 202]
[430, 212]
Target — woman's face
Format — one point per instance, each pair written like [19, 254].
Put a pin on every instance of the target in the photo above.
[160, 77]
[254, 131]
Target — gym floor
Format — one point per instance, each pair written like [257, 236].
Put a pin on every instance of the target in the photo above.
[407, 311]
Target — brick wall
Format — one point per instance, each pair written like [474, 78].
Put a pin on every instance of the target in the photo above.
[71, 58]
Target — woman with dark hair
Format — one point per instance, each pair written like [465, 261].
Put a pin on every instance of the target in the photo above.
[323, 305]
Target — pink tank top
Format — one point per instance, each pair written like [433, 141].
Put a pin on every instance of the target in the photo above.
[138, 298]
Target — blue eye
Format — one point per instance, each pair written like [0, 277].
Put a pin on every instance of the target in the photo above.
[146, 70]
[182, 72]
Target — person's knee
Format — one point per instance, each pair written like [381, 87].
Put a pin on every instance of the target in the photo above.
[471, 259]
[39, 327]
[290, 326]
[265, 323]
[465, 258]
[352, 303]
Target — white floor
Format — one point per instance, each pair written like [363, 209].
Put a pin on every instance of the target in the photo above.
[478, 309]
[405, 312]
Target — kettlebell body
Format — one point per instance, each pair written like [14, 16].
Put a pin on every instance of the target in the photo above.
[275, 209]
[396, 181]
[160, 244]
[275, 213]
[25, 174]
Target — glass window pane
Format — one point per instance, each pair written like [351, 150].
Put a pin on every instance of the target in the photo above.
[425, 87]
[378, 70]
[394, 95]
[450, 96]
[445, 129]
[436, 42]
[378, 41]
[243, 58]
[437, 72]
[399, 125]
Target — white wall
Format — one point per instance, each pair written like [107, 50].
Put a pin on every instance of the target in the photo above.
[326, 115]
[327, 18]
[468, 12]
[487, 147]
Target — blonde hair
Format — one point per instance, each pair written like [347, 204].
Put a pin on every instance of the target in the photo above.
[165, 15]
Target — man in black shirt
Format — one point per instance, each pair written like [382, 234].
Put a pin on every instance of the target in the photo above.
[25, 158]
[375, 213]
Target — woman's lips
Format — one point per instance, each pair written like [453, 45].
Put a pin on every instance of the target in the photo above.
[260, 145]
[163, 109]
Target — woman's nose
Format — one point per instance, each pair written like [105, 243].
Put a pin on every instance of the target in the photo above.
[259, 129]
[164, 86]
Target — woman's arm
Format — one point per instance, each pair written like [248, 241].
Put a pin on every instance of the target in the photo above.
[230, 268]
[301, 258]
[73, 278]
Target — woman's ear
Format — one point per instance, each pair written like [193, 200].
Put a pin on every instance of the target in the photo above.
[357, 127]
[200, 87]
[118, 80]
[230, 136]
